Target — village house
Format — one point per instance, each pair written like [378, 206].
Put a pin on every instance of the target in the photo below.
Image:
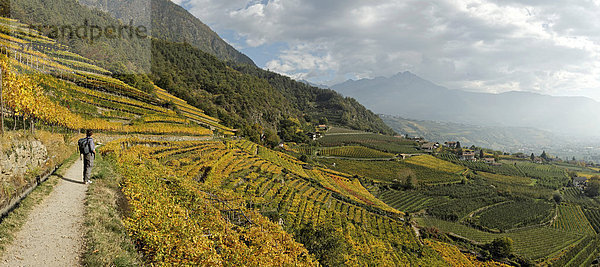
[405, 156]
[580, 182]
[418, 139]
[489, 160]
[322, 127]
[429, 147]
[468, 155]
[521, 156]
[314, 136]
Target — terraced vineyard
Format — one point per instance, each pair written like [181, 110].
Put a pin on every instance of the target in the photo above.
[575, 196]
[593, 216]
[285, 194]
[536, 243]
[514, 215]
[513, 185]
[516, 180]
[409, 201]
[455, 257]
[571, 218]
[504, 169]
[431, 177]
[431, 162]
[55, 78]
[182, 213]
[192, 113]
[346, 152]
[379, 142]
[392, 171]
[546, 175]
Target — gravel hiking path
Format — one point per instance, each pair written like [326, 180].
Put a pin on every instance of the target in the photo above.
[53, 234]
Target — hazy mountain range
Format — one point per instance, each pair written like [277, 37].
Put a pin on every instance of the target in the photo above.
[410, 96]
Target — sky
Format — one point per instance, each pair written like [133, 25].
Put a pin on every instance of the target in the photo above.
[547, 47]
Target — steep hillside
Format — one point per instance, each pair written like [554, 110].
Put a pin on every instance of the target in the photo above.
[241, 100]
[173, 23]
[409, 96]
[64, 89]
[249, 195]
[317, 102]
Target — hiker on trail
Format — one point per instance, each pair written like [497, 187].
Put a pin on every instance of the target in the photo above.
[87, 148]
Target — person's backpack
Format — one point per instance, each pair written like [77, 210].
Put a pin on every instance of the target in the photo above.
[84, 147]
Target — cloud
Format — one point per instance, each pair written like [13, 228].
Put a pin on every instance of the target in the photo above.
[484, 45]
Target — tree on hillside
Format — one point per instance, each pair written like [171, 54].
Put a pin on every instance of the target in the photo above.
[501, 247]
[481, 154]
[323, 120]
[324, 241]
[411, 182]
[290, 130]
[532, 157]
[458, 144]
[593, 187]
[270, 138]
[557, 197]
[544, 155]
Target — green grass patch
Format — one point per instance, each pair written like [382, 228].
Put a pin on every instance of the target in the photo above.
[107, 241]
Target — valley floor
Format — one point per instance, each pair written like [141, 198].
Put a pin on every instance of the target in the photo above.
[53, 234]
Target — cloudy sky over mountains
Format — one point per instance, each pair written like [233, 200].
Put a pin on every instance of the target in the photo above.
[550, 47]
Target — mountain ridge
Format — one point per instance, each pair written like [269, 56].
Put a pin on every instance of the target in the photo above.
[174, 23]
[410, 96]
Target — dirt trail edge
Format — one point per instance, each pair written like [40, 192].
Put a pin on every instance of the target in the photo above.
[53, 235]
